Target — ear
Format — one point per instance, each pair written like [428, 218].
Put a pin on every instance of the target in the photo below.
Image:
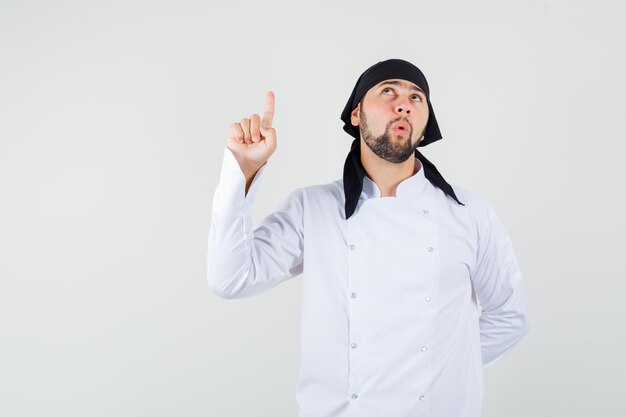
[354, 116]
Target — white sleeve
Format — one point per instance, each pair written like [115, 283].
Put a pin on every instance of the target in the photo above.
[244, 261]
[500, 289]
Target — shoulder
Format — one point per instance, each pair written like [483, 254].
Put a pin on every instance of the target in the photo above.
[483, 213]
[330, 190]
[475, 204]
[326, 199]
[471, 198]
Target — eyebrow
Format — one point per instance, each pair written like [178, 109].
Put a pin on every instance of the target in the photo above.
[401, 84]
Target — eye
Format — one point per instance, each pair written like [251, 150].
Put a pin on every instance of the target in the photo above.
[387, 89]
[418, 97]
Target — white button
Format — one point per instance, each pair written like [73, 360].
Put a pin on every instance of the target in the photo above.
[427, 298]
[430, 249]
[352, 247]
[353, 295]
[425, 211]
[354, 396]
[424, 348]
[354, 345]
[422, 398]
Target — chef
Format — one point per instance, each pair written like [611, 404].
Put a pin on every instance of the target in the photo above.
[411, 286]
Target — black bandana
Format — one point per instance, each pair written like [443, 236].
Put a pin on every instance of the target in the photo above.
[353, 171]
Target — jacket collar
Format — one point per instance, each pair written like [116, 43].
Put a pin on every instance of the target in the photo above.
[356, 184]
[409, 188]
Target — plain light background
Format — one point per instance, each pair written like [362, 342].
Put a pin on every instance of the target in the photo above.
[113, 118]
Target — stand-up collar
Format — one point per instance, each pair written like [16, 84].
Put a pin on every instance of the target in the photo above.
[409, 188]
[354, 179]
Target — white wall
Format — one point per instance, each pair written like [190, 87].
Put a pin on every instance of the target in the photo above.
[113, 118]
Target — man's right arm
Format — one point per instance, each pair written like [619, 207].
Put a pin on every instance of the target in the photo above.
[244, 260]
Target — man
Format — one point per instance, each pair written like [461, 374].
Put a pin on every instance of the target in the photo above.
[411, 286]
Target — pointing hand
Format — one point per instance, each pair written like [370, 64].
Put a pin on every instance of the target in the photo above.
[253, 140]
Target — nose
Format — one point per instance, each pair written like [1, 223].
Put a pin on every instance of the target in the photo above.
[402, 106]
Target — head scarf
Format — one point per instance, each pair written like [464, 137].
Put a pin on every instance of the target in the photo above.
[353, 171]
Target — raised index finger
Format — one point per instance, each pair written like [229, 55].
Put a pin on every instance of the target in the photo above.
[268, 114]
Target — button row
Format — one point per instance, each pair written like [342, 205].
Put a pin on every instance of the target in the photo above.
[352, 247]
[428, 298]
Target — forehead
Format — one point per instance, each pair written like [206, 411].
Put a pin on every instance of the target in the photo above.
[408, 85]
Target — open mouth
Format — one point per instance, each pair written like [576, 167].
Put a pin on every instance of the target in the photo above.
[401, 128]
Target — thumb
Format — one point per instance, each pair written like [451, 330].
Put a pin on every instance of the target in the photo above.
[270, 135]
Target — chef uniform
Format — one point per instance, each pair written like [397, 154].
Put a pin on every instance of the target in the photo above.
[406, 299]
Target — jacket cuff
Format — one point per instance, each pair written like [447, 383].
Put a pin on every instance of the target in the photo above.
[230, 199]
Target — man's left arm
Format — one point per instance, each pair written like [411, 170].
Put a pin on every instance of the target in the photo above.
[497, 280]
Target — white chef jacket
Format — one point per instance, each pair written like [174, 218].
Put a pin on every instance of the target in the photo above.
[391, 323]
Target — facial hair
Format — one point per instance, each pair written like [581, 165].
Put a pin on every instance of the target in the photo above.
[384, 146]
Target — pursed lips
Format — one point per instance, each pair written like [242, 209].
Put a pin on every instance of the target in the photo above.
[402, 126]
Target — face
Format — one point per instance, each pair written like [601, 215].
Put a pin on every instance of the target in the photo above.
[392, 118]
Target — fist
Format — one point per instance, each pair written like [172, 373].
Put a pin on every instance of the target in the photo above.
[253, 140]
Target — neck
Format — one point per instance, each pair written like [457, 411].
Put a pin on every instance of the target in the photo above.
[386, 175]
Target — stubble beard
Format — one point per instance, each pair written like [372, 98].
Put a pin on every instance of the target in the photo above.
[385, 146]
